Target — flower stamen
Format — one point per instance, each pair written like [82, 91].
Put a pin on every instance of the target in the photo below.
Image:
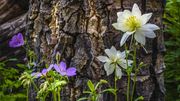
[132, 23]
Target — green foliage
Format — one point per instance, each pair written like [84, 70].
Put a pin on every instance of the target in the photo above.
[172, 58]
[93, 91]
[12, 97]
[9, 84]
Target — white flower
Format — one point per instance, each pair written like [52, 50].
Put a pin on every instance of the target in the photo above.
[135, 23]
[113, 61]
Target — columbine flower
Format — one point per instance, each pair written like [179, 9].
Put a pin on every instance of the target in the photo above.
[43, 72]
[113, 61]
[16, 41]
[61, 68]
[135, 22]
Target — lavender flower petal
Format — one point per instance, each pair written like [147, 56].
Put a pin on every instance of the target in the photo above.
[37, 74]
[71, 71]
[56, 67]
[44, 71]
[63, 66]
[16, 41]
[50, 67]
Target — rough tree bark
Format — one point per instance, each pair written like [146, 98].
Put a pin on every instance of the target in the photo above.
[80, 30]
[12, 20]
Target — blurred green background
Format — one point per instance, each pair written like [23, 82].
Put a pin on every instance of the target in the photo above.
[172, 56]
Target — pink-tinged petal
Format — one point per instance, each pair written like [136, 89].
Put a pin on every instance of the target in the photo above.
[57, 68]
[71, 71]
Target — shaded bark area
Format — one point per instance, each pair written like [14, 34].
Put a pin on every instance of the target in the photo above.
[80, 30]
[12, 20]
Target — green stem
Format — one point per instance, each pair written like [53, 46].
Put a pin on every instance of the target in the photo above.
[27, 93]
[54, 96]
[44, 97]
[35, 86]
[134, 78]
[59, 94]
[115, 86]
[128, 75]
[128, 87]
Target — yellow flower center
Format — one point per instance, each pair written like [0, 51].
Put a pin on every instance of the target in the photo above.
[132, 23]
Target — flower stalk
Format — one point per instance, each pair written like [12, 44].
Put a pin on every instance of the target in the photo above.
[135, 76]
[115, 86]
[27, 99]
[54, 96]
[59, 94]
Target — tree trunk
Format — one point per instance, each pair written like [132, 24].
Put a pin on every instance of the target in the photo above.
[80, 30]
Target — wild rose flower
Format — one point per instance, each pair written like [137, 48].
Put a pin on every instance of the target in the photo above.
[113, 60]
[16, 41]
[135, 23]
[61, 68]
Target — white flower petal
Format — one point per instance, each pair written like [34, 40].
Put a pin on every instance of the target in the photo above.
[123, 54]
[113, 50]
[119, 14]
[136, 11]
[145, 18]
[119, 26]
[146, 32]
[109, 53]
[130, 62]
[150, 26]
[150, 34]
[140, 38]
[124, 37]
[103, 58]
[108, 68]
[118, 72]
[123, 64]
[126, 14]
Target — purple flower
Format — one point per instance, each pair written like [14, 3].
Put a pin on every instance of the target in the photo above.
[61, 68]
[16, 41]
[43, 72]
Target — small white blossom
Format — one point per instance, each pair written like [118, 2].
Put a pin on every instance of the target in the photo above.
[113, 60]
[135, 23]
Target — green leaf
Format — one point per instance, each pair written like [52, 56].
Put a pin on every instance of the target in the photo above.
[21, 65]
[140, 98]
[87, 92]
[91, 86]
[84, 98]
[13, 59]
[111, 90]
[100, 82]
